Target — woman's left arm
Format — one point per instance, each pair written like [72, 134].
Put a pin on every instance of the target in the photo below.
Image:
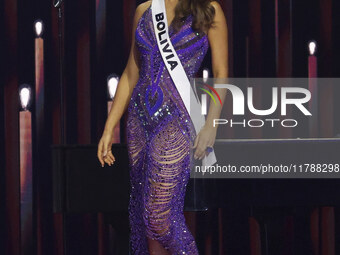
[218, 40]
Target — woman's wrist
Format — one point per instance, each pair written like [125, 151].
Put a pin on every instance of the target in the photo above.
[210, 126]
[108, 131]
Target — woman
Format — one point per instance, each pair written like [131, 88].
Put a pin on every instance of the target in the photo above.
[158, 140]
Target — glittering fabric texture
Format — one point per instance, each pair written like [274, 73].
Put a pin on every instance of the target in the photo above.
[159, 136]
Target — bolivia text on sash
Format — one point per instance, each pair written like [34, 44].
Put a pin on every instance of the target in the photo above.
[165, 49]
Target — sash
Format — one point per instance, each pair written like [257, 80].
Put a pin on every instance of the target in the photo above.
[177, 72]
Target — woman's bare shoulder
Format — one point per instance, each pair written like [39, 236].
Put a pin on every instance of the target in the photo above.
[141, 8]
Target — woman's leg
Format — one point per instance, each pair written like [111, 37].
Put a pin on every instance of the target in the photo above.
[136, 143]
[168, 171]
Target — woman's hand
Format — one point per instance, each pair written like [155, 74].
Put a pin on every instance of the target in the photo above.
[205, 138]
[104, 149]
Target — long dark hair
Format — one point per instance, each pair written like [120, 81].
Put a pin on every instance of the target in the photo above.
[202, 10]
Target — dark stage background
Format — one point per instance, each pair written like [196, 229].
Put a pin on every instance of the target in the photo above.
[96, 44]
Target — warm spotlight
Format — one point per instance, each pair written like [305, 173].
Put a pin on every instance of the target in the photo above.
[312, 47]
[112, 84]
[205, 74]
[39, 28]
[25, 96]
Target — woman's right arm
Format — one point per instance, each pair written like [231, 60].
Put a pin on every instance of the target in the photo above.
[123, 94]
[127, 81]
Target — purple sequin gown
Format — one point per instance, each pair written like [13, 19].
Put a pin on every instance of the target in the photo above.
[159, 139]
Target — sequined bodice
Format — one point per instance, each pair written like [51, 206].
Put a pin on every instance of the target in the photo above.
[155, 91]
